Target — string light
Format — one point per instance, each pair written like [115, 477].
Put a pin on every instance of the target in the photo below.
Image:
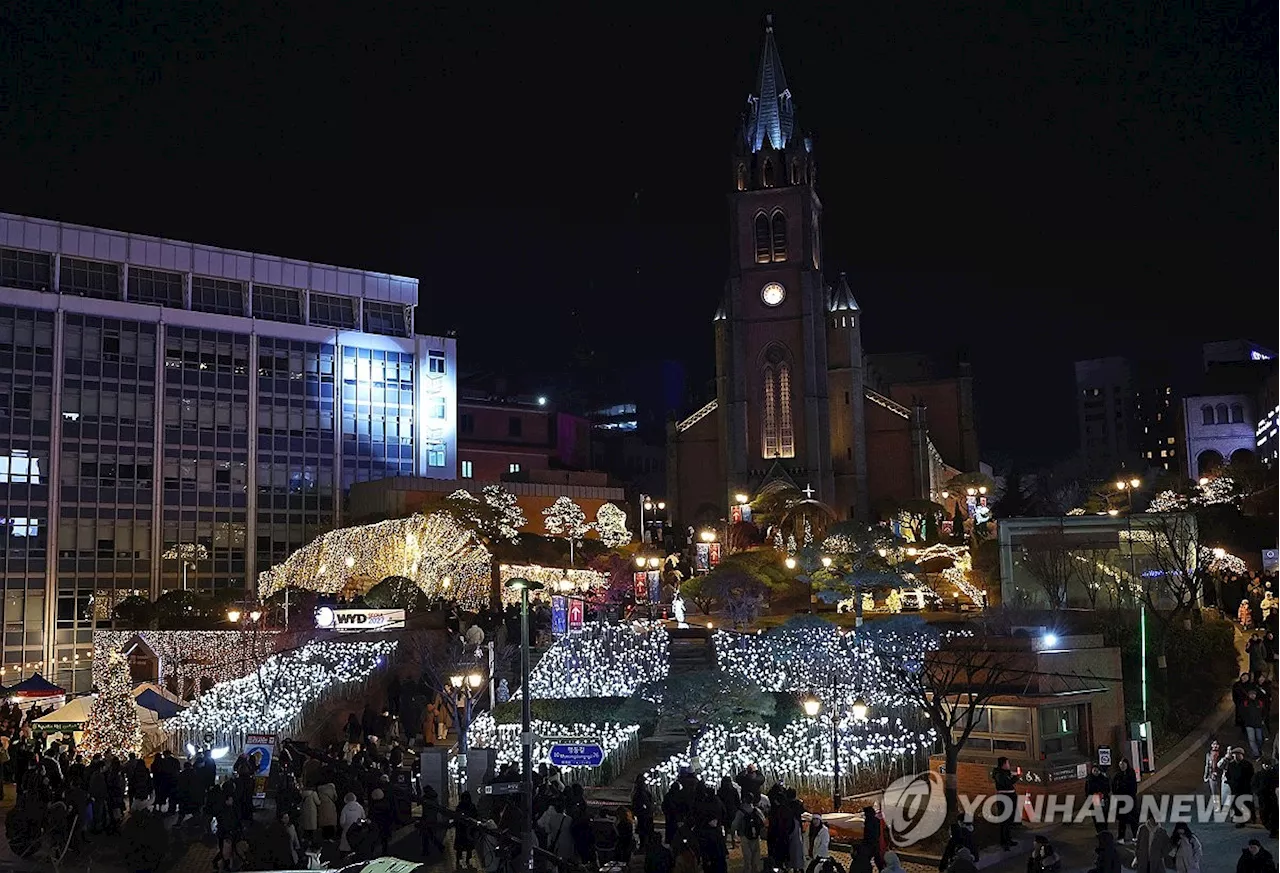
[603, 661]
[565, 519]
[1207, 492]
[584, 581]
[190, 655]
[113, 718]
[621, 743]
[274, 697]
[611, 526]
[423, 548]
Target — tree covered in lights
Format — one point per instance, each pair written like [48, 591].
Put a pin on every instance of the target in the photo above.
[855, 560]
[701, 698]
[566, 520]
[494, 518]
[113, 719]
[611, 525]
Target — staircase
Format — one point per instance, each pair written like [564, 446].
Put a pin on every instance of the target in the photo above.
[690, 649]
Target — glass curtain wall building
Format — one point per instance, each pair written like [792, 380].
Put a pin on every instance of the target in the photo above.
[179, 415]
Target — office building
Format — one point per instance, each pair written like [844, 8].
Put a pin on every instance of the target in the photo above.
[167, 399]
[1105, 413]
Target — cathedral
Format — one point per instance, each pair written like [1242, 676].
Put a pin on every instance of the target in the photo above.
[799, 406]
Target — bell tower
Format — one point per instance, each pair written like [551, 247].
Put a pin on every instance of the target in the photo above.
[771, 328]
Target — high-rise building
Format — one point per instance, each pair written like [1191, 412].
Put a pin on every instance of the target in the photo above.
[1105, 413]
[178, 415]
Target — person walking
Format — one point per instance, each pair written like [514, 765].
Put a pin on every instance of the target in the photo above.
[1006, 785]
[1153, 847]
[1255, 859]
[1097, 789]
[1255, 722]
[1238, 775]
[1264, 795]
[464, 830]
[961, 837]
[642, 807]
[728, 796]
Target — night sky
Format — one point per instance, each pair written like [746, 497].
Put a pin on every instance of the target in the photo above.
[1025, 183]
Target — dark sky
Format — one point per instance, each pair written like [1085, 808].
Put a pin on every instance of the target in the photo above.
[1032, 182]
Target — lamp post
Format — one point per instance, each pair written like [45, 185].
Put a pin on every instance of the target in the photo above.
[187, 554]
[245, 621]
[648, 504]
[812, 706]
[1127, 487]
[524, 586]
[465, 686]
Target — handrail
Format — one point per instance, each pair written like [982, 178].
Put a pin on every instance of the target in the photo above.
[702, 413]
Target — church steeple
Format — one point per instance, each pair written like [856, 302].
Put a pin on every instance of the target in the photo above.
[771, 115]
[771, 152]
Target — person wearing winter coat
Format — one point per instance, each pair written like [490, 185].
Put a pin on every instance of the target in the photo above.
[327, 813]
[1107, 858]
[309, 814]
[961, 837]
[1043, 858]
[464, 831]
[963, 862]
[1254, 713]
[1255, 859]
[1213, 771]
[1125, 784]
[352, 812]
[1098, 788]
[819, 838]
[1006, 785]
[383, 816]
[554, 826]
[795, 842]
[642, 807]
[1153, 846]
[727, 794]
[749, 825]
[892, 864]
[1186, 849]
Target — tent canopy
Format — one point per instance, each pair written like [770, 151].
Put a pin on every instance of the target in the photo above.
[75, 712]
[36, 686]
[162, 706]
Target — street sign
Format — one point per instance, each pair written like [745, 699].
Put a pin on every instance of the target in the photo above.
[263, 747]
[501, 788]
[1104, 756]
[575, 613]
[577, 754]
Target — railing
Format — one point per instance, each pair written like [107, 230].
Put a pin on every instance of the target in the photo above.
[892, 405]
[702, 413]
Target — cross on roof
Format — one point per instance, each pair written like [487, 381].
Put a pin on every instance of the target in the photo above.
[808, 491]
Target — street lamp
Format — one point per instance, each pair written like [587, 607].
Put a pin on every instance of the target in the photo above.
[826, 561]
[708, 536]
[741, 498]
[524, 586]
[648, 504]
[233, 615]
[791, 563]
[1127, 487]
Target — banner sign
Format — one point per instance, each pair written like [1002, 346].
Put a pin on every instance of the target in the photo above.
[655, 586]
[559, 614]
[261, 749]
[641, 581]
[713, 554]
[702, 556]
[356, 620]
[576, 610]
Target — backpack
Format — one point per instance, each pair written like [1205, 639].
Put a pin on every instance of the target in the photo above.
[752, 826]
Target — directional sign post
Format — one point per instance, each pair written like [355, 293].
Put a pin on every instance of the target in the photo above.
[501, 788]
[589, 754]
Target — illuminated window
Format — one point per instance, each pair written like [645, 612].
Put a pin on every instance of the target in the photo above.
[435, 363]
[1169, 440]
[779, 237]
[435, 455]
[20, 468]
[741, 177]
[468, 469]
[786, 432]
[1163, 453]
[764, 249]
[437, 408]
[513, 468]
[769, 442]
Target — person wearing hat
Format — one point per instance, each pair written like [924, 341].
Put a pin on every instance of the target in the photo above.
[819, 838]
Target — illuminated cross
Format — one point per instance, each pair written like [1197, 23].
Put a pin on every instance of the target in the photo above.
[808, 491]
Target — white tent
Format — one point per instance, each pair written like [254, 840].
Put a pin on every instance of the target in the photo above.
[73, 716]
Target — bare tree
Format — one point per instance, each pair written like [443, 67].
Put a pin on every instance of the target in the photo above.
[1095, 568]
[953, 684]
[1049, 557]
[1174, 592]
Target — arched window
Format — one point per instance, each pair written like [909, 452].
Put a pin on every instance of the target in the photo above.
[1209, 461]
[769, 418]
[786, 429]
[797, 173]
[779, 237]
[764, 249]
[1206, 414]
[1237, 413]
[1221, 409]
[742, 177]
[768, 174]
[815, 235]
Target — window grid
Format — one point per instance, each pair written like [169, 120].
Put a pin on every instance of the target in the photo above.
[89, 278]
[387, 319]
[786, 430]
[30, 270]
[277, 304]
[764, 244]
[333, 311]
[779, 237]
[219, 296]
[155, 287]
[770, 419]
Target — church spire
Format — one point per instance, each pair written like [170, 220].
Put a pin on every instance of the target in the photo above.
[770, 116]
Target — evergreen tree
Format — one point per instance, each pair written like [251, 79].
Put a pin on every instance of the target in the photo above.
[113, 719]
